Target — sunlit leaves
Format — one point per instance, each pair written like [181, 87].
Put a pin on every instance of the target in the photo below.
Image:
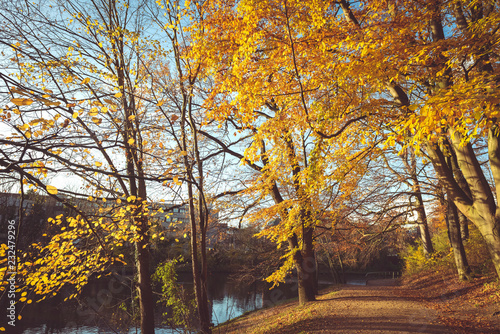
[51, 190]
[21, 102]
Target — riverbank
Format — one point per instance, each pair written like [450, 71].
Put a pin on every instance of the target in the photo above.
[382, 306]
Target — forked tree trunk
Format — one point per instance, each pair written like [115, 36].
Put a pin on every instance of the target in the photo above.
[478, 205]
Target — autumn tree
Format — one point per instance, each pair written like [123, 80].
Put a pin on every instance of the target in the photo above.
[78, 105]
[180, 93]
[437, 61]
[397, 64]
[273, 83]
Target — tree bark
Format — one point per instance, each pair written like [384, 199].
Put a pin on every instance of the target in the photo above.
[304, 264]
[425, 235]
[144, 289]
[464, 226]
[455, 237]
[480, 208]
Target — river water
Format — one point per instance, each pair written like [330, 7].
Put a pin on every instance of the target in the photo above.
[105, 306]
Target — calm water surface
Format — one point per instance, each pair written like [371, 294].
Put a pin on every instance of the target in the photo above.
[101, 309]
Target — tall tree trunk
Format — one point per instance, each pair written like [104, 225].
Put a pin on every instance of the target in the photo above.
[137, 185]
[304, 264]
[144, 289]
[423, 227]
[455, 237]
[453, 220]
[199, 266]
[477, 202]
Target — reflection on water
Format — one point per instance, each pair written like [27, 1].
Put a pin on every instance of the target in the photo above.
[105, 306]
[94, 330]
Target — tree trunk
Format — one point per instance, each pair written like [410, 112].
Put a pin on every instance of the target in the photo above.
[491, 236]
[478, 205]
[198, 267]
[455, 237]
[425, 235]
[144, 289]
[464, 226]
[423, 227]
[304, 264]
[199, 284]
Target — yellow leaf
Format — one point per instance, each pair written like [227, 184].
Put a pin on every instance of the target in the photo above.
[28, 134]
[119, 201]
[85, 81]
[22, 102]
[131, 198]
[183, 153]
[22, 299]
[176, 181]
[75, 114]
[51, 103]
[169, 160]
[19, 317]
[118, 95]
[52, 190]
[93, 111]
[174, 118]
[98, 164]
[176, 240]
[131, 141]
[96, 120]
[2, 329]
[104, 110]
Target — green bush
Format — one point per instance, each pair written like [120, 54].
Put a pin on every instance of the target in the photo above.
[181, 304]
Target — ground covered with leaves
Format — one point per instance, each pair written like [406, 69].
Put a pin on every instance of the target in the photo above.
[430, 302]
[464, 306]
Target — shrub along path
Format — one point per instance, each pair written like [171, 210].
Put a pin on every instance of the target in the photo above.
[379, 307]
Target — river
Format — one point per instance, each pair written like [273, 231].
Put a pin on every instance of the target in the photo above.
[105, 306]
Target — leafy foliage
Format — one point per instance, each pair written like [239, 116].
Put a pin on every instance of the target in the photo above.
[181, 304]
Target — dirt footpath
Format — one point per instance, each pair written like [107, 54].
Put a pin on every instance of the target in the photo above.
[377, 308]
